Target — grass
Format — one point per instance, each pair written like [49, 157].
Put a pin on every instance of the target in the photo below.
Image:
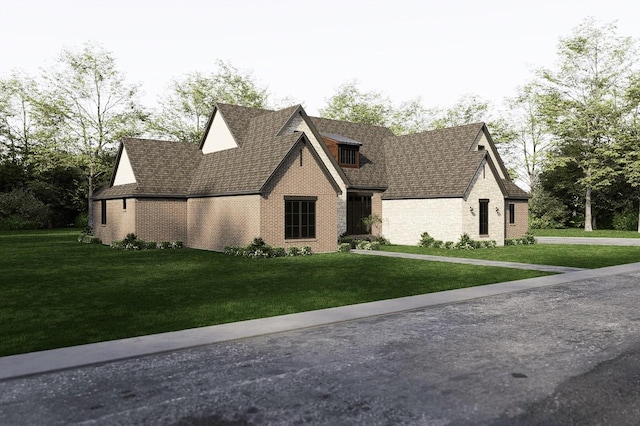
[577, 232]
[579, 256]
[56, 292]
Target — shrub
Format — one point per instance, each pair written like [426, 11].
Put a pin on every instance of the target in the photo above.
[132, 242]
[20, 209]
[368, 245]
[625, 221]
[526, 239]
[259, 249]
[344, 238]
[382, 240]
[344, 247]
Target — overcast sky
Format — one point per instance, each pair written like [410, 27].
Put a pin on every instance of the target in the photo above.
[434, 50]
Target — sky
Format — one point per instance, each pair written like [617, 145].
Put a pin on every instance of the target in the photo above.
[437, 51]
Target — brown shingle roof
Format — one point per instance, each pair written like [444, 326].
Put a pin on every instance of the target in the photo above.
[247, 168]
[371, 173]
[436, 163]
[160, 167]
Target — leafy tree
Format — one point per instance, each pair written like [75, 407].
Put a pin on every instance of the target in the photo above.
[581, 102]
[528, 147]
[353, 105]
[91, 108]
[629, 139]
[184, 111]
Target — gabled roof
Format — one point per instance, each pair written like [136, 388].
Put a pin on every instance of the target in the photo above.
[432, 164]
[261, 150]
[161, 168]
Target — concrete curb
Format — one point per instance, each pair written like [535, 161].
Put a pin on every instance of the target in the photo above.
[15, 366]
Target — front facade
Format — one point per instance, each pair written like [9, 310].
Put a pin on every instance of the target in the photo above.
[296, 180]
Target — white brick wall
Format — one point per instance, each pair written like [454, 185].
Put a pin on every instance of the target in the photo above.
[405, 220]
[484, 186]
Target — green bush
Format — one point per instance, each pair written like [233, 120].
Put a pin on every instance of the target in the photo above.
[526, 239]
[258, 249]
[626, 221]
[20, 209]
[132, 242]
[344, 247]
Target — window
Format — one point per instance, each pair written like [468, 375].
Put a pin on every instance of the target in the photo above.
[484, 217]
[103, 212]
[124, 204]
[480, 147]
[299, 218]
[348, 155]
[512, 213]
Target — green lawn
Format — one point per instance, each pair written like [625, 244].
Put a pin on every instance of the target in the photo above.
[577, 232]
[56, 292]
[579, 256]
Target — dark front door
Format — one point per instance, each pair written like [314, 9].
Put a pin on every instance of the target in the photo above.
[358, 207]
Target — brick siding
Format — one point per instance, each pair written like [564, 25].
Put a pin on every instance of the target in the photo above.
[216, 222]
[521, 225]
[308, 180]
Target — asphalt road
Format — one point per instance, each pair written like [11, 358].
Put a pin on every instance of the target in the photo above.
[565, 354]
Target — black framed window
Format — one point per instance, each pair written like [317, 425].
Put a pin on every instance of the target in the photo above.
[512, 213]
[484, 217]
[124, 204]
[348, 155]
[103, 212]
[299, 218]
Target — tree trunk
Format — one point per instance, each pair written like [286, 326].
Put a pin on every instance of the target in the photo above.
[90, 205]
[587, 211]
[638, 214]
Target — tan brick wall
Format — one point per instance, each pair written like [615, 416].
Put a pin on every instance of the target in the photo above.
[299, 125]
[521, 225]
[216, 222]
[161, 219]
[376, 208]
[119, 222]
[293, 179]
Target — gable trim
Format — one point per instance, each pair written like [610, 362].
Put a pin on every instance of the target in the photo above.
[208, 128]
[486, 160]
[303, 140]
[316, 135]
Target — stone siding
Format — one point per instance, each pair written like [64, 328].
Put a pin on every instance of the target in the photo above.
[305, 179]
[216, 222]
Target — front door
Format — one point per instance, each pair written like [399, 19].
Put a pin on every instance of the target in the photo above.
[358, 207]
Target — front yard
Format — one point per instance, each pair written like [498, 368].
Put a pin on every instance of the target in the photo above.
[56, 292]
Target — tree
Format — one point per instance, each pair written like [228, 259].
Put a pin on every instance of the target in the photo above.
[19, 129]
[528, 147]
[353, 105]
[581, 102]
[90, 108]
[629, 139]
[184, 111]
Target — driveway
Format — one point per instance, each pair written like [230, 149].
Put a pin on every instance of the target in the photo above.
[562, 354]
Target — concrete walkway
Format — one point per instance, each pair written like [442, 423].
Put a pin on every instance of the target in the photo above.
[76, 356]
[477, 262]
[590, 241]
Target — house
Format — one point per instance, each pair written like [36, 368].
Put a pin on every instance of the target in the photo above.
[297, 180]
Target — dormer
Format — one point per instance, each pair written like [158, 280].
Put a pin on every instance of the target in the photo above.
[346, 151]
